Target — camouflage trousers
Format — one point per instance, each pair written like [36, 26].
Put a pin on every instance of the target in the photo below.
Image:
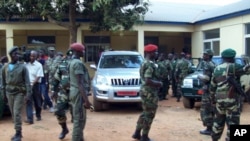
[227, 111]
[206, 110]
[149, 106]
[62, 105]
[164, 89]
[178, 85]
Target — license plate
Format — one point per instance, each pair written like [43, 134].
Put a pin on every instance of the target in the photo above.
[126, 93]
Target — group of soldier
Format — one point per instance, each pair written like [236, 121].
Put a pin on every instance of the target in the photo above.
[69, 84]
[66, 78]
[221, 97]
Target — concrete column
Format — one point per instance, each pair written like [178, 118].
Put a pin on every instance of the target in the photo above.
[79, 36]
[140, 42]
[9, 39]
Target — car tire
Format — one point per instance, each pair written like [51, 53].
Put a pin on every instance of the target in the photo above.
[188, 103]
[97, 105]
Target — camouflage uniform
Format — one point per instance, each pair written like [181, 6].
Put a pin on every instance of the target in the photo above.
[206, 110]
[181, 72]
[163, 71]
[79, 111]
[173, 83]
[61, 87]
[149, 97]
[227, 102]
[50, 69]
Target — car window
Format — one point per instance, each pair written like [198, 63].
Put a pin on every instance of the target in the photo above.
[121, 61]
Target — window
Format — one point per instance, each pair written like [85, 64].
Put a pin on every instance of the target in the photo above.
[37, 42]
[212, 40]
[247, 39]
[94, 46]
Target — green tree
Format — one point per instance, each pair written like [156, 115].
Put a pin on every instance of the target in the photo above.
[103, 15]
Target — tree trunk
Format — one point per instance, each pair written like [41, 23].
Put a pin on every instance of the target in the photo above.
[72, 21]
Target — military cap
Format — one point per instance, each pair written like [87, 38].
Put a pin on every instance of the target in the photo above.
[208, 52]
[228, 53]
[77, 47]
[51, 48]
[150, 48]
[14, 48]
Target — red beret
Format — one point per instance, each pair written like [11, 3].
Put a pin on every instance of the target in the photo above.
[77, 47]
[150, 48]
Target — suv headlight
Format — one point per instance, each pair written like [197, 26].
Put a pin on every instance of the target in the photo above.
[101, 80]
[188, 83]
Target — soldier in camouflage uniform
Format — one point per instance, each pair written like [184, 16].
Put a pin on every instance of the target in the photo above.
[225, 95]
[181, 71]
[61, 87]
[16, 87]
[50, 69]
[173, 59]
[148, 92]
[206, 110]
[78, 91]
[163, 72]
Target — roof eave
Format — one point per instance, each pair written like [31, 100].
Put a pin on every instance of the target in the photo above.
[222, 17]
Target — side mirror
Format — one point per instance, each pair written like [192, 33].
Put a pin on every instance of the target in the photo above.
[93, 66]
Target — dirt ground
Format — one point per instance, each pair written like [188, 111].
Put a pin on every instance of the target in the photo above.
[172, 123]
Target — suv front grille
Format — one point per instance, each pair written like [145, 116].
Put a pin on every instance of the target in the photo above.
[125, 82]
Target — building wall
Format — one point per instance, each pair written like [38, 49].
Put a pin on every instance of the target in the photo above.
[231, 34]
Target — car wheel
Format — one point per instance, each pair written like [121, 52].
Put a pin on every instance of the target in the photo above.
[97, 105]
[188, 103]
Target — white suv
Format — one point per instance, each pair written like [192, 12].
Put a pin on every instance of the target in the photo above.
[116, 79]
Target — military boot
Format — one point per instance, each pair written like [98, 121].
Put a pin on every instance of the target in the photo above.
[207, 131]
[137, 135]
[64, 132]
[145, 137]
[17, 137]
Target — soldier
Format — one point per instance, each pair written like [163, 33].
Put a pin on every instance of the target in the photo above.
[173, 59]
[148, 92]
[78, 91]
[226, 93]
[181, 71]
[16, 87]
[206, 110]
[61, 87]
[163, 72]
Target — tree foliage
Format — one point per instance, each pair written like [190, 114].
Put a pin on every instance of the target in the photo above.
[101, 14]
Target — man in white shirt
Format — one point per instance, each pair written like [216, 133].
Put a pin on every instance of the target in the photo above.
[35, 69]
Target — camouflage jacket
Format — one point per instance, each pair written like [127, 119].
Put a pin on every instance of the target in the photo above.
[218, 85]
[50, 67]
[164, 69]
[181, 69]
[148, 70]
[208, 68]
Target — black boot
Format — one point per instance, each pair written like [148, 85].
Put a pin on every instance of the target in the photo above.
[137, 134]
[145, 137]
[207, 131]
[64, 132]
[17, 137]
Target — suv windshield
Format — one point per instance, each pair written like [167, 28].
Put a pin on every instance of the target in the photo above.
[121, 61]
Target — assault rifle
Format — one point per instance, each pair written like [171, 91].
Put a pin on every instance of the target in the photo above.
[234, 85]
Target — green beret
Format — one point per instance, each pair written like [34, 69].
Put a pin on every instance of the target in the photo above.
[228, 53]
[208, 52]
[51, 48]
[14, 48]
